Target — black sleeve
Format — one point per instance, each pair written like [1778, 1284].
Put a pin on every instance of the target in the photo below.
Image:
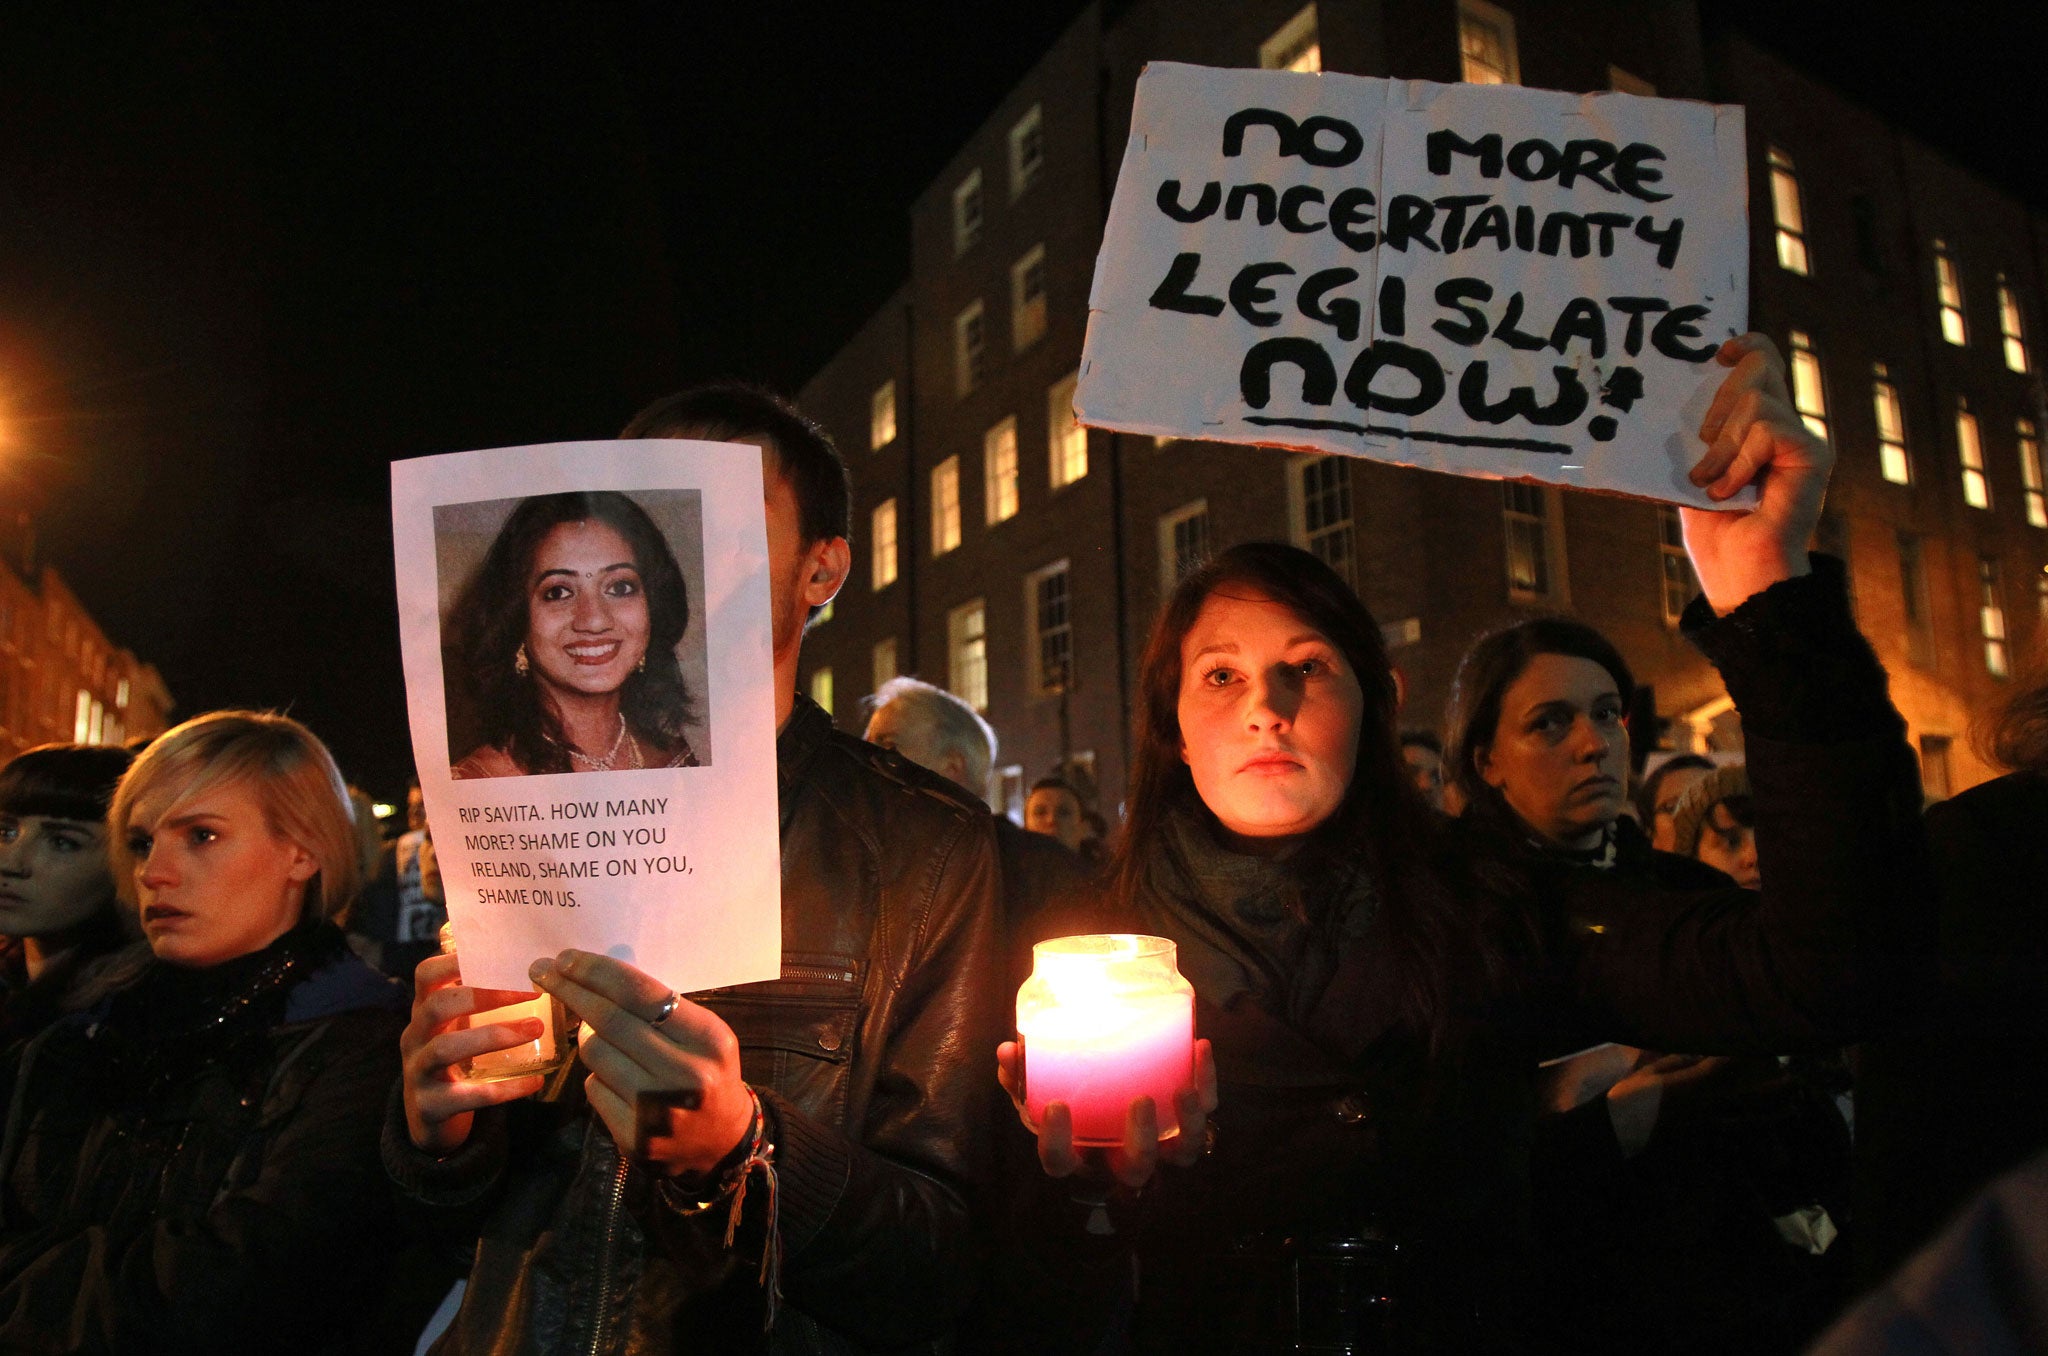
[1841, 936]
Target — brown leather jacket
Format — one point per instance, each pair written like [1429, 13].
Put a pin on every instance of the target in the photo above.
[873, 1057]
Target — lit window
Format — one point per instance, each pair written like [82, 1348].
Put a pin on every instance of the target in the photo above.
[1680, 583]
[1785, 211]
[1807, 395]
[1991, 616]
[1027, 151]
[882, 417]
[2010, 328]
[883, 661]
[967, 213]
[1918, 595]
[1948, 291]
[1321, 495]
[945, 506]
[1891, 428]
[1027, 299]
[999, 472]
[2029, 439]
[1010, 792]
[2041, 598]
[1976, 488]
[1183, 543]
[1486, 44]
[1051, 629]
[1936, 783]
[824, 614]
[1067, 439]
[121, 694]
[81, 724]
[967, 653]
[821, 688]
[1531, 514]
[882, 545]
[1296, 46]
[1628, 82]
[970, 349]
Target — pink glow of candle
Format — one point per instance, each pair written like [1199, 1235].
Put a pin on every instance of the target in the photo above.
[1104, 1019]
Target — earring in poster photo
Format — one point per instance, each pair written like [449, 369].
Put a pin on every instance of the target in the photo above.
[520, 665]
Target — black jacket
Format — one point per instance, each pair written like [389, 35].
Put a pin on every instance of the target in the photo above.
[1347, 1126]
[193, 1165]
[872, 1055]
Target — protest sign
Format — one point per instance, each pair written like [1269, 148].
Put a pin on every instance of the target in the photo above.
[589, 672]
[1480, 279]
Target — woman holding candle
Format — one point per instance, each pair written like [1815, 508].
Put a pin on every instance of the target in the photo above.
[192, 1164]
[567, 641]
[1379, 992]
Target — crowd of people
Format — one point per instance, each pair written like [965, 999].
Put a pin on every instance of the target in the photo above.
[1505, 1044]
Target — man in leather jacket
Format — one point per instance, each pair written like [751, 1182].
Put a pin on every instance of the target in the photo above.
[817, 1139]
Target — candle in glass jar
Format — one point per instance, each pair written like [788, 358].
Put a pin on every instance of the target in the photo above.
[1104, 1019]
[545, 1055]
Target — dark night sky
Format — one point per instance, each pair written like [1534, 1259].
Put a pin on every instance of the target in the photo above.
[248, 255]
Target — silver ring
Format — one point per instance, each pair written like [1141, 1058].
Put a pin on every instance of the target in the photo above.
[667, 1007]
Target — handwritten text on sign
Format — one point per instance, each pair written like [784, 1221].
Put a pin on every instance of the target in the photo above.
[1486, 280]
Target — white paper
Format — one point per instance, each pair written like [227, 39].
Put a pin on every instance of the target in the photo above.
[1346, 168]
[674, 869]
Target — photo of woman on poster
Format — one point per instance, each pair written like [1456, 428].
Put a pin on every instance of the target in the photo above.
[562, 646]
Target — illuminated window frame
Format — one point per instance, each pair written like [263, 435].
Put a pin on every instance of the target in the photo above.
[1681, 583]
[882, 546]
[1319, 510]
[999, 472]
[1487, 52]
[967, 213]
[2028, 436]
[946, 506]
[882, 416]
[1049, 622]
[1532, 517]
[1970, 455]
[821, 687]
[1787, 214]
[1916, 593]
[1027, 150]
[1066, 436]
[1027, 299]
[882, 665]
[1948, 295]
[1991, 617]
[1809, 389]
[1295, 46]
[1893, 461]
[970, 348]
[2012, 330]
[967, 653]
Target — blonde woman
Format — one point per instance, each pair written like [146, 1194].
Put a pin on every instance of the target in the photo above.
[192, 1165]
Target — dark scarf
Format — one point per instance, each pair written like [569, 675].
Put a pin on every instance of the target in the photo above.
[173, 1022]
[1270, 927]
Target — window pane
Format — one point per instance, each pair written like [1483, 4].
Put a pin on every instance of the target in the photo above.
[999, 472]
[1068, 438]
[882, 416]
[945, 506]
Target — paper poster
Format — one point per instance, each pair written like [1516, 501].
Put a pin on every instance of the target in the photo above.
[1480, 279]
[589, 671]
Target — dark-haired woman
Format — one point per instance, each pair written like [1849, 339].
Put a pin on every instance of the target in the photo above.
[566, 638]
[57, 898]
[1377, 999]
[1658, 1177]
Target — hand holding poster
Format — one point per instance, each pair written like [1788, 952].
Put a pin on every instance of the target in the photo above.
[1486, 280]
[588, 666]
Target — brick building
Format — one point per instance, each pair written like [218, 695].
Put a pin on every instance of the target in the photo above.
[61, 679]
[1019, 560]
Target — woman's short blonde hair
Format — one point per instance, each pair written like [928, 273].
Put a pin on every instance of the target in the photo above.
[302, 792]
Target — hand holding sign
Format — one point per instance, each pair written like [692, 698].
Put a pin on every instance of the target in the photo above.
[1753, 433]
[687, 1069]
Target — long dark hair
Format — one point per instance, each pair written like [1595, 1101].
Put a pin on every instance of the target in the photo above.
[491, 621]
[1382, 822]
[63, 781]
[2015, 732]
[1486, 673]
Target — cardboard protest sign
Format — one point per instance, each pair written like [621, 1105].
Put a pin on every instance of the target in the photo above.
[589, 670]
[1480, 279]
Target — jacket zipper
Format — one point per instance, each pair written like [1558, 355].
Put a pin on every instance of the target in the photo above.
[819, 972]
[606, 1246]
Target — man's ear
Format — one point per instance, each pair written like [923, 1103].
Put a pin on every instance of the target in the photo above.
[825, 571]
